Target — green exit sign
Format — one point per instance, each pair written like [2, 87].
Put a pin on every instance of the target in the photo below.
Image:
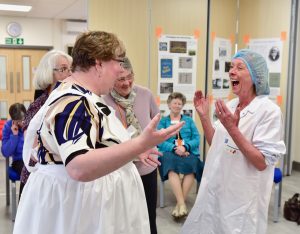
[14, 41]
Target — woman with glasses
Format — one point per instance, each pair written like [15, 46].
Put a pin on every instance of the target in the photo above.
[54, 66]
[85, 181]
[135, 107]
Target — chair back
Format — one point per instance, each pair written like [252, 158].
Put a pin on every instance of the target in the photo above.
[12, 174]
[277, 175]
[2, 123]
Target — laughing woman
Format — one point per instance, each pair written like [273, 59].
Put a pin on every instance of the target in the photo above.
[245, 144]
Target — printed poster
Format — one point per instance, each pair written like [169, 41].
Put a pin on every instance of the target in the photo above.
[177, 65]
[271, 50]
[221, 65]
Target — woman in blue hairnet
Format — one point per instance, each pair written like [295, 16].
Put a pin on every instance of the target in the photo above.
[245, 144]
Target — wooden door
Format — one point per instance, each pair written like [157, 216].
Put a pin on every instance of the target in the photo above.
[17, 67]
[7, 81]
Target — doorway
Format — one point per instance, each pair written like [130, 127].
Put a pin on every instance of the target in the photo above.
[17, 67]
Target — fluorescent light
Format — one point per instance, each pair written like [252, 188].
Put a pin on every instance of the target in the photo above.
[10, 7]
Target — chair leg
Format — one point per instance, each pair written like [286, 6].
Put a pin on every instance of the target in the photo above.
[13, 201]
[161, 195]
[276, 203]
[7, 182]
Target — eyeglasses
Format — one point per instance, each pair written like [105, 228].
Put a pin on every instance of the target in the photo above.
[62, 69]
[127, 78]
[121, 61]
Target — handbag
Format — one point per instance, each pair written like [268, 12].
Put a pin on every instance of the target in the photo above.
[291, 210]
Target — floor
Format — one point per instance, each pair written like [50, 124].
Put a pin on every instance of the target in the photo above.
[165, 223]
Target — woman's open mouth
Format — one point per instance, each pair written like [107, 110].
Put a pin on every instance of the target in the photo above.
[234, 82]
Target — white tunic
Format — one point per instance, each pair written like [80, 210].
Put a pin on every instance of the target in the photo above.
[54, 203]
[234, 196]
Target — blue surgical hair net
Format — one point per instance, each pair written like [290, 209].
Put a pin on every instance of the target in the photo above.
[258, 69]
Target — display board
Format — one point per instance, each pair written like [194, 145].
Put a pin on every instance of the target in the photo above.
[177, 65]
[271, 50]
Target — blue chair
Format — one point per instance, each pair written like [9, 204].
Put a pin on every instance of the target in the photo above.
[13, 177]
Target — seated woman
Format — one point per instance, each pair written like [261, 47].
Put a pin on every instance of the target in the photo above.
[180, 154]
[13, 136]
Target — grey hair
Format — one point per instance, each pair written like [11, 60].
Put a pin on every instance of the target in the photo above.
[127, 65]
[43, 76]
[176, 95]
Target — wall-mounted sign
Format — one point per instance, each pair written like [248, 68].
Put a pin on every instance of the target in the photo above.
[14, 41]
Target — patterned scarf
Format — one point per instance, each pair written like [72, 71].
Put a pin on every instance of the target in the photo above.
[127, 104]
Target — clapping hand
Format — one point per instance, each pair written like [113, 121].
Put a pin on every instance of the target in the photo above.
[201, 103]
[228, 119]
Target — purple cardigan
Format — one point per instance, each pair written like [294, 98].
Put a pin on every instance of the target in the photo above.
[144, 108]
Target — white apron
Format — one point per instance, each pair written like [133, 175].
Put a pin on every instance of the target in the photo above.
[54, 203]
[234, 196]
[113, 204]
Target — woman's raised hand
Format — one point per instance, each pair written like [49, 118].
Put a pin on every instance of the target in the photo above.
[201, 103]
[228, 119]
[152, 137]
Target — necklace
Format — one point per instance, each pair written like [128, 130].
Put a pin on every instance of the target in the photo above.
[175, 119]
[123, 118]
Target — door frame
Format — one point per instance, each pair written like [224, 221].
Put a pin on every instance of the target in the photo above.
[20, 48]
[26, 47]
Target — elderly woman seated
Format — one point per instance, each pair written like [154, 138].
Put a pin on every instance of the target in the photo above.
[180, 154]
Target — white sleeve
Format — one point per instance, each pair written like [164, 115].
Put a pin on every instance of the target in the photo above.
[268, 135]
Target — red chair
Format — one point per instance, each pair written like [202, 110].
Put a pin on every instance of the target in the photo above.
[2, 122]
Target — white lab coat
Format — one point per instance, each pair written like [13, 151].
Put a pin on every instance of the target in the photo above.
[234, 196]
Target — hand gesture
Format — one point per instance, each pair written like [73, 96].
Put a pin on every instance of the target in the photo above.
[201, 103]
[147, 157]
[151, 137]
[15, 127]
[228, 119]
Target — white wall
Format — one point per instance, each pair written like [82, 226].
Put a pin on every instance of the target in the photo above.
[41, 32]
